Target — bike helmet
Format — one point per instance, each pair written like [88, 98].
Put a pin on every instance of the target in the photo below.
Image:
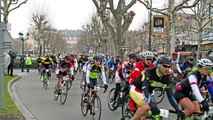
[96, 58]
[141, 54]
[133, 55]
[67, 57]
[211, 56]
[174, 54]
[204, 62]
[164, 59]
[148, 54]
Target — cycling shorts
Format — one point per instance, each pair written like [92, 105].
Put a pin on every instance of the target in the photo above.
[180, 95]
[92, 82]
[137, 95]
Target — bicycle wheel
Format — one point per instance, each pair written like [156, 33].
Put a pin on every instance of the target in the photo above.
[125, 107]
[109, 100]
[64, 91]
[69, 84]
[55, 97]
[158, 95]
[96, 108]
[45, 83]
[84, 106]
[126, 117]
[82, 85]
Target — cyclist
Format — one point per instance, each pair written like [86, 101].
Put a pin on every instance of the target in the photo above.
[92, 74]
[122, 73]
[64, 68]
[111, 66]
[39, 63]
[187, 65]
[46, 61]
[187, 92]
[143, 86]
[140, 66]
[175, 67]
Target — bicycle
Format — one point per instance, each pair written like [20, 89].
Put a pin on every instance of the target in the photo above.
[63, 89]
[83, 83]
[111, 75]
[164, 114]
[122, 94]
[158, 95]
[46, 78]
[92, 104]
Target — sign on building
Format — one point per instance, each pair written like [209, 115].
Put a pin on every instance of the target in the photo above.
[158, 24]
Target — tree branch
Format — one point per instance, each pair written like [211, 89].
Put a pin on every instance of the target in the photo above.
[181, 5]
[17, 6]
[130, 5]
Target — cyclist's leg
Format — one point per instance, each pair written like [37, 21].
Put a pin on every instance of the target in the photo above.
[139, 98]
[186, 103]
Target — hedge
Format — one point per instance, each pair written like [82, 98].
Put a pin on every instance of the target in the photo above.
[33, 66]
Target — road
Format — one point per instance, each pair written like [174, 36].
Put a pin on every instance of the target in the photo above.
[42, 105]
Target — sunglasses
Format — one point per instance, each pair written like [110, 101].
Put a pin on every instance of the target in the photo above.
[166, 66]
[208, 68]
[148, 59]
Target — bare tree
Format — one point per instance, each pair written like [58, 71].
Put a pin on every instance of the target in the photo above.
[173, 7]
[42, 26]
[9, 6]
[122, 18]
[16, 46]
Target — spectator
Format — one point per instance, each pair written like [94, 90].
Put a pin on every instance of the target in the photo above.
[22, 61]
[28, 62]
[187, 65]
[10, 67]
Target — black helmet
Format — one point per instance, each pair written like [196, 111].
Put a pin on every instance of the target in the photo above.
[133, 55]
[96, 58]
[164, 59]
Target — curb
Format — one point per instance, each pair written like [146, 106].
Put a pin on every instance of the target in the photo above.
[28, 115]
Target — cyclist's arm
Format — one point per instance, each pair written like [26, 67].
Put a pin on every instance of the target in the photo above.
[195, 88]
[87, 74]
[103, 75]
[178, 68]
[172, 100]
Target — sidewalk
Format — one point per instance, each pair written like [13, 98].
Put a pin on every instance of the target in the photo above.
[12, 91]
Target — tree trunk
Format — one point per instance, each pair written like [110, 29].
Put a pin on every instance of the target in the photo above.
[171, 28]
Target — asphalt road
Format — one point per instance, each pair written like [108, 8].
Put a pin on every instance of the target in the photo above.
[42, 105]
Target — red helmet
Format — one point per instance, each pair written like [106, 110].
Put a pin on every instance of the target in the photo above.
[174, 54]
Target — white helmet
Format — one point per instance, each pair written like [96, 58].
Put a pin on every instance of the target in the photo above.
[148, 54]
[204, 63]
[141, 54]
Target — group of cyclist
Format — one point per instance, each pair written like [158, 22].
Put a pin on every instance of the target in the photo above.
[143, 72]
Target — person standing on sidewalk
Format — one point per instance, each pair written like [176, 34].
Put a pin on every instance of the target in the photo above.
[28, 62]
[10, 67]
[22, 61]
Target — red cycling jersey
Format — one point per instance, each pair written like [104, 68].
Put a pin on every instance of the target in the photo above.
[137, 71]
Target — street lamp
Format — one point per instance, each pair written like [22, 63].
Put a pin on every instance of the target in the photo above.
[23, 38]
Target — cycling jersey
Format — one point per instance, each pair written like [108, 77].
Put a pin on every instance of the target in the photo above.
[151, 79]
[93, 73]
[47, 61]
[190, 86]
[140, 66]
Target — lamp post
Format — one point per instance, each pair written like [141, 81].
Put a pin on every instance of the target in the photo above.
[21, 35]
[150, 24]
[1, 63]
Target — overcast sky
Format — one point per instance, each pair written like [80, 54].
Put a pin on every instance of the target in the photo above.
[67, 14]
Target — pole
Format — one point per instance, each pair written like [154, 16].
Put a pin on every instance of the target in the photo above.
[1, 63]
[22, 39]
[150, 25]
